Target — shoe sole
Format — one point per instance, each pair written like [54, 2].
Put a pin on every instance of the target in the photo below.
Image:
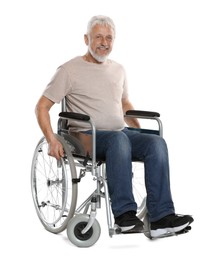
[130, 229]
[167, 231]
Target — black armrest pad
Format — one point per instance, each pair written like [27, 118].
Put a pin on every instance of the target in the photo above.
[142, 113]
[72, 115]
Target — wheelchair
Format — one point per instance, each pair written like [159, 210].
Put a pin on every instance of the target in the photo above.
[54, 183]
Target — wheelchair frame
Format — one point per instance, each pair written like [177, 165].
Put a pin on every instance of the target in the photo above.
[83, 229]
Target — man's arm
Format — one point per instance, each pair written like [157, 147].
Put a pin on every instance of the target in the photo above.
[127, 105]
[42, 113]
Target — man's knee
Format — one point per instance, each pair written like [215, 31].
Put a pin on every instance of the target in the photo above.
[119, 141]
[158, 145]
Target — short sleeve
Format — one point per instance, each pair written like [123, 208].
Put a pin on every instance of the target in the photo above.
[59, 86]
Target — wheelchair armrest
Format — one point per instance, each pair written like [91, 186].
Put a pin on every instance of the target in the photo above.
[146, 115]
[140, 113]
[76, 116]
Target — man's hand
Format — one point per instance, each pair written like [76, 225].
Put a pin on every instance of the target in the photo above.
[55, 149]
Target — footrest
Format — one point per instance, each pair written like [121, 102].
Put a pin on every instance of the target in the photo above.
[183, 231]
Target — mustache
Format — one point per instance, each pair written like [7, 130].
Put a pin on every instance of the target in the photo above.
[103, 47]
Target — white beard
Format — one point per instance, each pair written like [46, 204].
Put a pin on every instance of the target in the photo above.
[98, 57]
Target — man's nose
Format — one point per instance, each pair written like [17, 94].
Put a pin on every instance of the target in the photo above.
[104, 41]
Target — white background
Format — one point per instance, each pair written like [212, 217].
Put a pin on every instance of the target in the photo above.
[169, 50]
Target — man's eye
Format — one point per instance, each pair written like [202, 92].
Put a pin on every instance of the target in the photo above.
[109, 38]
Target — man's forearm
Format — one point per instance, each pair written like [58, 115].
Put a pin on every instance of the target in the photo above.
[44, 122]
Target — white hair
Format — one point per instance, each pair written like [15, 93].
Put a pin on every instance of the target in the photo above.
[102, 20]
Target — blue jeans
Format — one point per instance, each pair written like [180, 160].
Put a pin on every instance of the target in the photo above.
[118, 148]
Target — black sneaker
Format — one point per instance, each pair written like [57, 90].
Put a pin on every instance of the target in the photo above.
[170, 224]
[129, 223]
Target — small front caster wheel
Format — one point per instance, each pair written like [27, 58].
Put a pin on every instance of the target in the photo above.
[74, 231]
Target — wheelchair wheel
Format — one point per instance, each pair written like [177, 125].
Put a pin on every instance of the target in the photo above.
[53, 192]
[76, 225]
[138, 186]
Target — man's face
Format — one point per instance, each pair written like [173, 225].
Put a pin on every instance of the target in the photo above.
[100, 42]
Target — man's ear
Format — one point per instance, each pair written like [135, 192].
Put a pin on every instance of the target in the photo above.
[86, 39]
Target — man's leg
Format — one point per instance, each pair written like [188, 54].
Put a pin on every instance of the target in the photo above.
[152, 150]
[115, 147]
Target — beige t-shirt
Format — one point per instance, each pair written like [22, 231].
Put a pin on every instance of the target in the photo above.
[92, 89]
